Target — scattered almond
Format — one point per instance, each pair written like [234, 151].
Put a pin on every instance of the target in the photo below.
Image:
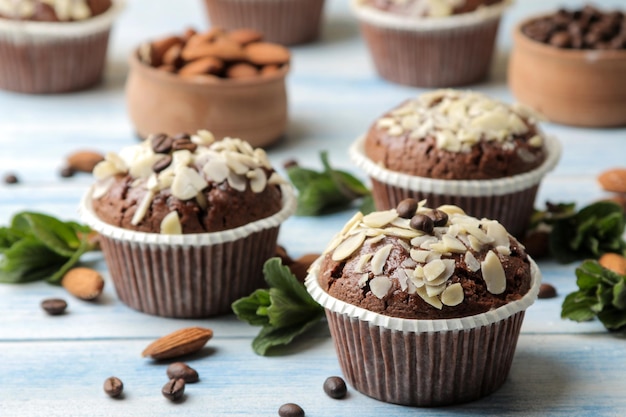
[613, 180]
[83, 283]
[84, 161]
[179, 343]
[300, 266]
[614, 262]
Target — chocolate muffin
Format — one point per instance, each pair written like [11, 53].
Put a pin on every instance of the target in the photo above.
[187, 222]
[418, 297]
[187, 184]
[426, 43]
[54, 46]
[411, 266]
[461, 148]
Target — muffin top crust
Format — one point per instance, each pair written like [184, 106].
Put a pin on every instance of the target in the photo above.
[421, 263]
[186, 184]
[451, 134]
[52, 10]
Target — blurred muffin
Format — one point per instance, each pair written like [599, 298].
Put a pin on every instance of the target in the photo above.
[232, 83]
[569, 65]
[54, 46]
[287, 22]
[430, 43]
[187, 222]
[462, 148]
[424, 306]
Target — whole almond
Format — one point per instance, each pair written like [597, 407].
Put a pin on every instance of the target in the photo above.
[172, 55]
[159, 47]
[84, 160]
[223, 48]
[179, 343]
[208, 65]
[242, 70]
[265, 53]
[269, 70]
[613, 180]
[83, 283]
[614, 262]
[245, 36]
[205, 37]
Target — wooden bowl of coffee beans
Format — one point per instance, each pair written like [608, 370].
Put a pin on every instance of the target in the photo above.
[570, 66]
[231, 83]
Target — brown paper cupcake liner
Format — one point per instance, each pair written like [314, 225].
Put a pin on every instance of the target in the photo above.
[188, 276]
[424, 362]
[287, 22]
[509, 200]
[430, 52]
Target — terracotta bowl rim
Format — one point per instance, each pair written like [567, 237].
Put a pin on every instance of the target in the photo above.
[164, 76]
[585, 55]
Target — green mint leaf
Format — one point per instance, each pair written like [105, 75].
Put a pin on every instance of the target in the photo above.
[28, 260]
[578, 307]
[285, 311]
[270, 336]
[253, 308]
[619, 295]
[55, 234]
[613, 319]
[326, 191]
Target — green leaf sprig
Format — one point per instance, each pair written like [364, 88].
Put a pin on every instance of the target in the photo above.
[36, 246]
[587, 233]
[328, 190]
[601, 293]
[285, 310]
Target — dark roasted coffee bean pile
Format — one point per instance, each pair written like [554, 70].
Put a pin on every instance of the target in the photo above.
[587, 28]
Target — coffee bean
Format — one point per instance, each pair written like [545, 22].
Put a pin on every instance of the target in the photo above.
[290, 163]
[181, 144]
[67, 172]
[182, 370]
[335, 387]
[161, 143]
[162, 163]
[423, 223]
[560, 39]
[174, 389]
[290, 410]
[406, 208]
[440, 218]
[11, 179]
[113, 386]
[54, 306]
[546, 291]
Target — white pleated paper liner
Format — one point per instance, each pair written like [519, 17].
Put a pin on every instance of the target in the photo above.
[191, 275]
[54, 57]
[424, 362]
[386, 19]
[478, 188]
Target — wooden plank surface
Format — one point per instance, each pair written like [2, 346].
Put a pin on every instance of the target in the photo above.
[55, 366]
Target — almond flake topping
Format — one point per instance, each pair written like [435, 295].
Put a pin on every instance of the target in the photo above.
[453, 295]
[380, 286]
[458, 119]
[380, 258]
[170, 225]
[348, 247]
[493, 273]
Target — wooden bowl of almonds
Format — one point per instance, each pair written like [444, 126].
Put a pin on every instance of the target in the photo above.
[231, 83]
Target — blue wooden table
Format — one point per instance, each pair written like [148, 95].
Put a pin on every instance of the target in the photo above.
[55, 366]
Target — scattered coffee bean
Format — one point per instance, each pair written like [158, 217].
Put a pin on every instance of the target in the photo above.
[281, 252]
[440, 218]
[290, 163]
[335, 387]
[182, 370]
[67, 172]
[162, 163]
[54, 306]
[546, 291]
[11, 179]
[113, 386]
[174, 389]
[181, 144]
[423, 223]
[161, 143]
[406, 208]
[290, 410]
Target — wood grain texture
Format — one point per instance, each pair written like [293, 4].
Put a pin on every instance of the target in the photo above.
[55, 366]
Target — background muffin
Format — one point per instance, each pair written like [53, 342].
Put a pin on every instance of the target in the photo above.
[407, 287]
[54, 46]
[458, 147]
[186, 223]
[430, 43]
